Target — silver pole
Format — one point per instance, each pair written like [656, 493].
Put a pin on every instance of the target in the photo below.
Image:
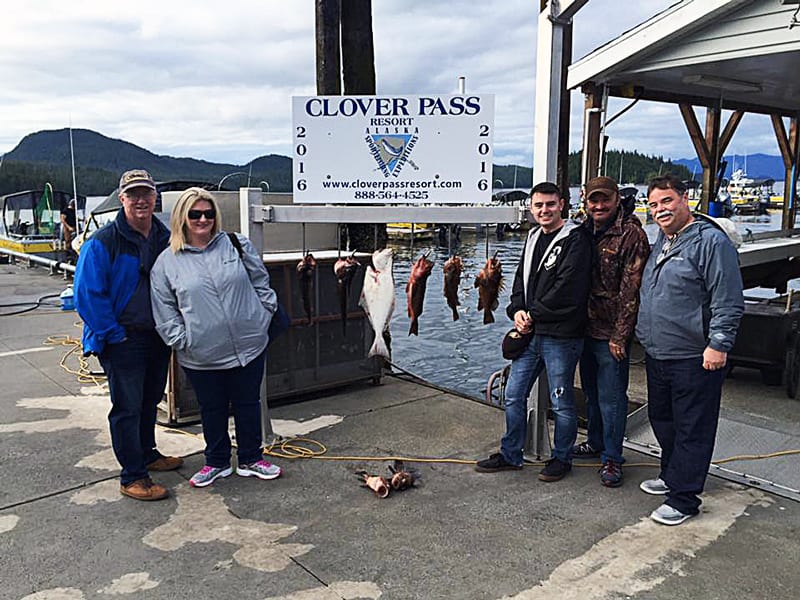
[74, 182]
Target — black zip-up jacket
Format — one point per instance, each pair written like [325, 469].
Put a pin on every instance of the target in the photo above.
[556, 291]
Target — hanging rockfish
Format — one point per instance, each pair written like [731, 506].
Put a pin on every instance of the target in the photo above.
[452, 279]
[377, 298]
[415, 290]
[305, 270]
[489, 282]
[345, 269]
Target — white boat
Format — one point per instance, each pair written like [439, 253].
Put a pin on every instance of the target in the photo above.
[31, 221]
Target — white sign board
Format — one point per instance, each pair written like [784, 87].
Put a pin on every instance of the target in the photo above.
[392, 149]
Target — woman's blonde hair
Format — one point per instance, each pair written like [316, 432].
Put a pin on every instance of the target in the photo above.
[180, 213]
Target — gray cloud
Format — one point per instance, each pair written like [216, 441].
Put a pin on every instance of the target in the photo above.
[214, 80]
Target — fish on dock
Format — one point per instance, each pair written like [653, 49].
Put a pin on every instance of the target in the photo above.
[489, 282]
[305, 270]
[452, 279]
[345, 269]
[378, 298]
[415, 290]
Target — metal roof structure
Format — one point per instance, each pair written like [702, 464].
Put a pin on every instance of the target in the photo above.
[740, 54]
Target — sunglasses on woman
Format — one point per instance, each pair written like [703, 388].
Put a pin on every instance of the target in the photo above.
[209, 214]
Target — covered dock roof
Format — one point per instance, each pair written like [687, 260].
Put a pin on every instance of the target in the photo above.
[737, 55]
[743, 53]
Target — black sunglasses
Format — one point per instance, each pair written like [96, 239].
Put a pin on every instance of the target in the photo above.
[209, 214]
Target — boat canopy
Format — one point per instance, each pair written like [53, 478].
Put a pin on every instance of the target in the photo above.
[111, 202]
[29, 200]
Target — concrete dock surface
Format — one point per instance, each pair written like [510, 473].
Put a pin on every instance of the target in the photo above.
[315, 533]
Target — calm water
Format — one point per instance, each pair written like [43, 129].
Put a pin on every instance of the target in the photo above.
[461, 355]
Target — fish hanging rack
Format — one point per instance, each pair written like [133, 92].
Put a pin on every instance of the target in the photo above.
[384, 214]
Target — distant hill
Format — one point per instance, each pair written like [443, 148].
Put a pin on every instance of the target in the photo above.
[754, 165]
[45, 156]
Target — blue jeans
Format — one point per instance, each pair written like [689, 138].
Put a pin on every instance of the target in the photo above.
[683, 405]
[137, 375]
[217, 390]
[559, 356]
[604, 381]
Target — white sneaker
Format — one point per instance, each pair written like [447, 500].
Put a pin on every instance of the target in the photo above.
[207, 475]
[261, 469]
[666, 515]
[657, 487]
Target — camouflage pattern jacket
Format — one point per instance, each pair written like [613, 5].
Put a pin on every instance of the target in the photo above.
[620, 254]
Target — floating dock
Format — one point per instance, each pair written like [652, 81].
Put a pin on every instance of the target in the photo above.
[66, 532]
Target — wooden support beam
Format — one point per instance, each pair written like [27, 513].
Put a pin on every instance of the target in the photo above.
[358, 50]
[562, 162]
[695, 134]
[329, 76]
[730, 128]
[789, 146]
[713, 118]
[591, 127]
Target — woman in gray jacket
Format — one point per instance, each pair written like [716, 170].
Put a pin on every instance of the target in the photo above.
[213, 304]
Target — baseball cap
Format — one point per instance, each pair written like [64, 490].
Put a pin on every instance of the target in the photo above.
[135, 178]
[604, 185]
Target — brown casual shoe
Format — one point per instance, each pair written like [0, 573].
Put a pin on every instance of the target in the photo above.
[165, 463]
[144, 489]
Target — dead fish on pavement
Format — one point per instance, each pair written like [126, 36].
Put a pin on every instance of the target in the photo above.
[489, 282]
[402, 478]
[452, 279]
[415, 290]
[376, 483]
[345, 269]
[377, 298]
[305, 270]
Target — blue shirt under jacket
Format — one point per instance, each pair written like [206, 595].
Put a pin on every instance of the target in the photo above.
[111, 288]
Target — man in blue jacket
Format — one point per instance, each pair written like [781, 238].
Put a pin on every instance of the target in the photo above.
[691, 302]
[548, 299]
[112, 296]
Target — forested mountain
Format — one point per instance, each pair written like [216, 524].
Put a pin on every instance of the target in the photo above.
[45, 157]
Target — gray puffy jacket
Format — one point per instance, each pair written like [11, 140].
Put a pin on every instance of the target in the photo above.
[691, 295]
[211, 306]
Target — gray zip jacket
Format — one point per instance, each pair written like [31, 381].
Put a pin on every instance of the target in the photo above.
[212, 307]
[691, 295]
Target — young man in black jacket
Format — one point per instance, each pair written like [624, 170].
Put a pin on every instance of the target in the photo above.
[549, 298]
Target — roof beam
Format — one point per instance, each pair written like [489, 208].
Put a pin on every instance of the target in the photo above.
[647, 38]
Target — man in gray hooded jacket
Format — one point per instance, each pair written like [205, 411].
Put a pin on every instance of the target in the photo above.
[691, 303]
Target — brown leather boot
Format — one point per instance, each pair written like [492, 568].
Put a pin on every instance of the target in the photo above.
[165, 463]
[144, 489]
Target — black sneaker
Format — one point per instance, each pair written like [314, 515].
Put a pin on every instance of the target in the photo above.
[554, 470]
[495, 463]
[611, 474]
[585, 450]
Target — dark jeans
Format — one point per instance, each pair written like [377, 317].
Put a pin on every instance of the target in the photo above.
[216, 391]
[683, 405]
[604, 381]
[137, 375]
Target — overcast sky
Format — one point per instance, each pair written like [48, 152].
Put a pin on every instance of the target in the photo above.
[213, 80]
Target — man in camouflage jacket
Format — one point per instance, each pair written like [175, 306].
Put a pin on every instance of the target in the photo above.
[621, 251]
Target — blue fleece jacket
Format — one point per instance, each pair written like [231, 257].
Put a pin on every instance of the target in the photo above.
[110, 267]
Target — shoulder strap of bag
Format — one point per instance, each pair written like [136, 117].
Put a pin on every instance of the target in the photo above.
[236, 244]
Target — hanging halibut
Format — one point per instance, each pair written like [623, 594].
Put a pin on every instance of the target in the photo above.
[377, 298]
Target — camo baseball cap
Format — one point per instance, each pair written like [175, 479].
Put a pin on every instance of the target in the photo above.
[135, 178]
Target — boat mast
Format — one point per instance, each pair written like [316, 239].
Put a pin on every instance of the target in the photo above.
[74, 182]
